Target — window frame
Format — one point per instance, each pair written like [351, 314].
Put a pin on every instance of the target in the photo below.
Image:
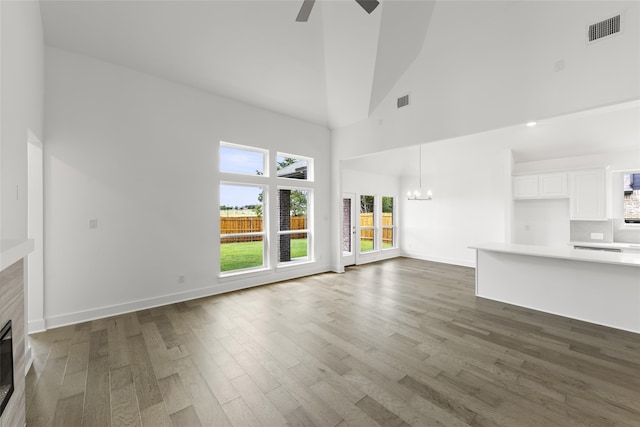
[621, 192]
[264, 233]
[263, 151]
[307, 230]
[310, 167]
[374, 227]
[391, 227]
[270, 183]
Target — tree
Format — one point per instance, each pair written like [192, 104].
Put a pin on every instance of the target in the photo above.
[387, 204]
[366, 204]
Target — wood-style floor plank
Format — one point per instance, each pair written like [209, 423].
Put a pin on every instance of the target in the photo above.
[402, 342]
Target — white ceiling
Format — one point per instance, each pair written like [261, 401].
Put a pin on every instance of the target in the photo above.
[609, 129]
[330, 70]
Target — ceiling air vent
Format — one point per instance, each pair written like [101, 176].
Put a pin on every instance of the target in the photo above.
[403, 101]
[605, 28]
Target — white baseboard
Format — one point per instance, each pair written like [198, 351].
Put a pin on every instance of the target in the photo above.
[36, 326]
[367, 258]
[452, 261]
[220, 288]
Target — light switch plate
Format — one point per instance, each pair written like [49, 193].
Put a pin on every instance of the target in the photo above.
[597, 236]
[93, 223]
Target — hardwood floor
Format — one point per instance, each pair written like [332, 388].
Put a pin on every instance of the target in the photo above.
[396, 343]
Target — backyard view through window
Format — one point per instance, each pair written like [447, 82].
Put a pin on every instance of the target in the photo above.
[387, 222]
[242, 238]
[293, 236]
[367, 223]
[245, 209]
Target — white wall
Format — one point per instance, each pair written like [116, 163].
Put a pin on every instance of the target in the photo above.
[541, 222]
[35, 264]
[470, 183]
[140, 155]
[22, 86]
[379, 185]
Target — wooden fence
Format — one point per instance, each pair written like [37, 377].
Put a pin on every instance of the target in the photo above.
[253, 224]
[366, 220]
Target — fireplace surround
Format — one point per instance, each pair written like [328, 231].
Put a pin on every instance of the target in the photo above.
[6, 366]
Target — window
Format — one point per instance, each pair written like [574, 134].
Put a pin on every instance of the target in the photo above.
[242, 236]
[242, 160]
[631, 199]
[247, 243]
[294, 167]
[387, 223]
[367, 224]
[293, 225]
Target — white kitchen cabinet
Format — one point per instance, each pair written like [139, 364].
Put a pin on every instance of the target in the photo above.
[553, 185]
[525, 187]
[540, 186]
[587, 194]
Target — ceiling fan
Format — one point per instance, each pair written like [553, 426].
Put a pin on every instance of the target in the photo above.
[307, 5]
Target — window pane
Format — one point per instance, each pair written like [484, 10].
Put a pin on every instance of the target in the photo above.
[367, 220]
[243, 161]
[293, 167]
[387, 238]
[292, 209]
[366, 239]
[241, 210]
[387, 211]
[293, 247]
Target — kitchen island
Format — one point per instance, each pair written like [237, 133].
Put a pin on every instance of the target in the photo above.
[593, 286]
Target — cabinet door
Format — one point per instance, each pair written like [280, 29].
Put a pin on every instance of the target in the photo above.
[525, 187]
[553, 185]
[588, 195]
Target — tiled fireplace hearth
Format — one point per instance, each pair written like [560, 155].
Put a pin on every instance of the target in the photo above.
[12, 345]
[6, 366]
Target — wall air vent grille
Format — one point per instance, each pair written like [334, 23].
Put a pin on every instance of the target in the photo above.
[605, 28]
[403, 101]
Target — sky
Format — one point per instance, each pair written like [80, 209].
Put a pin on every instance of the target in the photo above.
[239, 195]
[246, 162]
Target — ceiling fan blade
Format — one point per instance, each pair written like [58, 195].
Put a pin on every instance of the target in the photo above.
[305, 11]
[368, 5]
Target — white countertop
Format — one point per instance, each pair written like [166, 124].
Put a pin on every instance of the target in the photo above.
[612, 245]
[628, 259]
[13, 250]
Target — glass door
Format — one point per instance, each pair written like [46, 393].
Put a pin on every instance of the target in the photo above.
[348, 229]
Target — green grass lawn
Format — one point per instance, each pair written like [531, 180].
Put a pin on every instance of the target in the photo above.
[236, 256]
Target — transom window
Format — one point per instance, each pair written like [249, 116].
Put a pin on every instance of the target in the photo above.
[242, 159]
[294, 167]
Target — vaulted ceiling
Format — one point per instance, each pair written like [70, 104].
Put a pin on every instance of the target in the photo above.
[332, 70]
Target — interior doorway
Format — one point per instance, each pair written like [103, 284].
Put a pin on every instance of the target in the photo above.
[348, 229]
[34, 295]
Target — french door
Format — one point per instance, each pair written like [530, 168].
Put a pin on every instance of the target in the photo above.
[348, 229]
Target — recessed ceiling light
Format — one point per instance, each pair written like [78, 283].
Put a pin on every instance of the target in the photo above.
[531, 124]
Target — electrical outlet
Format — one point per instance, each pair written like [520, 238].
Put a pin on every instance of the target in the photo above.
[93, 223]
[180, 279]
[597, 236]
